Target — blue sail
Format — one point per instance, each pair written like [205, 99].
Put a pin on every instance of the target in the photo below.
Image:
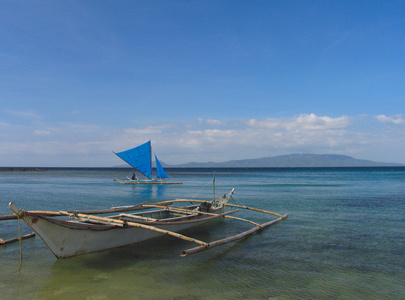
[140, 158]
[160, 172]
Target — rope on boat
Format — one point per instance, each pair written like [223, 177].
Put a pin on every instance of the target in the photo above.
[21, 214]
[19, 241]
[202, 188]
[236, 201]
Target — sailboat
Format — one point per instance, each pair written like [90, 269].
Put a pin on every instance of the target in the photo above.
[141, 159]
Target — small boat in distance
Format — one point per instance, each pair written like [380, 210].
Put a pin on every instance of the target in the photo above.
[140, 158]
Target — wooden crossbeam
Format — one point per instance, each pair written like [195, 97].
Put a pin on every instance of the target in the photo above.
[55, 214]
[138, 225]
[137, 217]
[254, 209]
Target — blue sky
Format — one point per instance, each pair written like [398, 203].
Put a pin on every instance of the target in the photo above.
[204, 80]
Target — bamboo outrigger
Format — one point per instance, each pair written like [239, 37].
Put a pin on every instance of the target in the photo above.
[27, 236]
[86, 232]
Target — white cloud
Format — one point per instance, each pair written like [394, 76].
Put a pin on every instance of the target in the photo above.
[246, 139]
[215, 122]
[396, 119]
[91, 145]
[23, 114]
[304, 121]
[42, 132]
[152, 129]
[210, 122]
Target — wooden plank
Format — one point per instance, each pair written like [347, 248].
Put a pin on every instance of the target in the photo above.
[183, 210]
[174, 209]
[169, 202]
[144, 213]
[225, 204]
[85, 219]
[192, 219]
[55, 214]
[137, 217]
[177, 218]
[108, 210]
[138, 225]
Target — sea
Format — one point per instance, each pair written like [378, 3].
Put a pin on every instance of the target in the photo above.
[344, 237]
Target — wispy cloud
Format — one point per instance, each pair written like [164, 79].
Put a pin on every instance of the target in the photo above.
[210, 122]
[42, 132]
[23, 114]
[396, 119]
[304, 121]
[337, 41]
[91, 145]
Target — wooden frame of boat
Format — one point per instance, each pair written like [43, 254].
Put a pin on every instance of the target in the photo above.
[86, 232]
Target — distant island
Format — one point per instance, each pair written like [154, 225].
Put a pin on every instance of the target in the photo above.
[290, 161]
[21, 170]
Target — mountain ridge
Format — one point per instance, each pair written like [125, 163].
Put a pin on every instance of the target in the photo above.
[289, 161]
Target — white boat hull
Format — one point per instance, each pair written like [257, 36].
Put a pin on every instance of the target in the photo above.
[152, 181]
[64, 240]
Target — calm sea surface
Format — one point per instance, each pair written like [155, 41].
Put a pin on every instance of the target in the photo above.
[344, 237]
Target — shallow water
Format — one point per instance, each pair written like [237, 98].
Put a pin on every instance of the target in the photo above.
[344, 237]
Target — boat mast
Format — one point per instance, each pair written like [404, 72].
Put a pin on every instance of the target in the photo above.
[150, 144]
[213, 183]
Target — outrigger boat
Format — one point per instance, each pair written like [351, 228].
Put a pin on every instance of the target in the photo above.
[140, 158]
[72, 233]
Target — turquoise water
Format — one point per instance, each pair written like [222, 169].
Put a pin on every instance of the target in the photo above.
[344, 237]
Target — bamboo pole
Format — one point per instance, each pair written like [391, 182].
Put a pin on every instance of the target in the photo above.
[169, 202]
[243, 220]
[138, 225]
[14, 217]
[205, 213]
[170, 221]
[137, 217]
[225, 204]
[230, 239]
[109, 210]
[8, 217]
[254, 209]
[173, 209]
[55, 213]
[27, 236]
[187, 211]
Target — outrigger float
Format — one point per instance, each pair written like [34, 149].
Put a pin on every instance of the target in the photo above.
[72, 233]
